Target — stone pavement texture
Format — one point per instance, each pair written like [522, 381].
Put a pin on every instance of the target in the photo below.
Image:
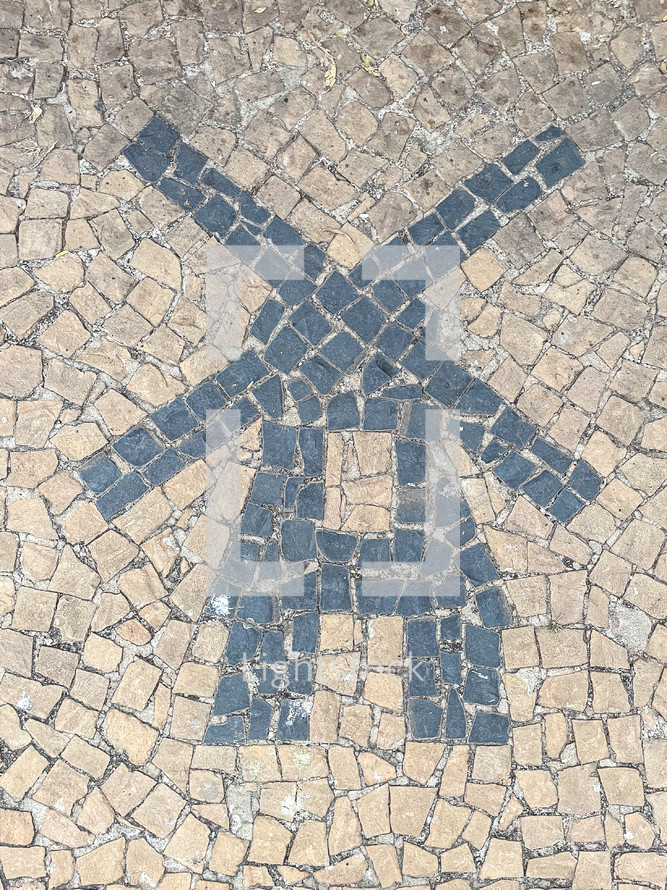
[143, 743]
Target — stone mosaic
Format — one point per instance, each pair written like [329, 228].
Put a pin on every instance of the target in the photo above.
[143, 741]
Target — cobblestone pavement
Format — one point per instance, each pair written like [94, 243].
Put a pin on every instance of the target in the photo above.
[505, 727]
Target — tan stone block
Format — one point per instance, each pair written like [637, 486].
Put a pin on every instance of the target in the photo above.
[455, 772]
[336, 632]
[492, 764]
[529, 595]
[61, 830]
[640, 543]
[300, 762]
[227, 854]
[482, 269]
[458, 860]
[86, 757]
[29, 516]
[61, 869]
[643, 867]
[310, 845]
[373, 453]
[339, 672]
[43, 697]
[385, 640]
[421, 759]
[625, 738]
[173, 643]
[315, 797]
[622, 786]
[324, 717]
[477, 830]
[559, 866]
[278, 799]
[189, 843]
[409, 807]
[528, 745]
[385, 863]
[590, 740]
[18, 778]
[160, 810]
[206, 785]
[541, 831]
[16, 828]
[356, 723]
[578, 791]
[343, 765]
[259, 763]
[103, 865]
[503, 860]
[519, 648]
[190, 719]
[145, 516]
[391, 731]
[373, 809]
[418, 863]
[137, 685]
[639, 831]
[129, 735]
[586, 831]
[609, 694]
[538, 788]
[447, 824]
[593, 871]
[26, 862]
[385, 690]
[345, 830]
[565, 691]
[143, 863]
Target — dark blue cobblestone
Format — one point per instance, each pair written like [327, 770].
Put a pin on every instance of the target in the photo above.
[479, 399]
[207, 397]
[216, 215]
[511, 428]
[490, 729]
[492, 609]
[189, 163]
[238, 376]
[309, 410]
[158, 135]
[335, 591]
[514, 470]
[543, 488]
[310, 323]
[426, 230]
[380, 414]
[185, 196]
[270, 396]
[149, 164]
[489, 183]
[174, 420]
[559, 163]
[565, 506]
[482, 646]
[286, 350]
[342, 413]
[478, 230]
[364, 318]
[137, 447]
[476, 565]
[100, 474]
[321, 374]
[266, 321]
[556, 459]
[425, 718]
[279, 445]
[456, 207]
[336, 546]
[455, 723]
[585, 481]
[342, 351]
[164, 467]
[220, 183]
[522, 155]
[519, 196]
